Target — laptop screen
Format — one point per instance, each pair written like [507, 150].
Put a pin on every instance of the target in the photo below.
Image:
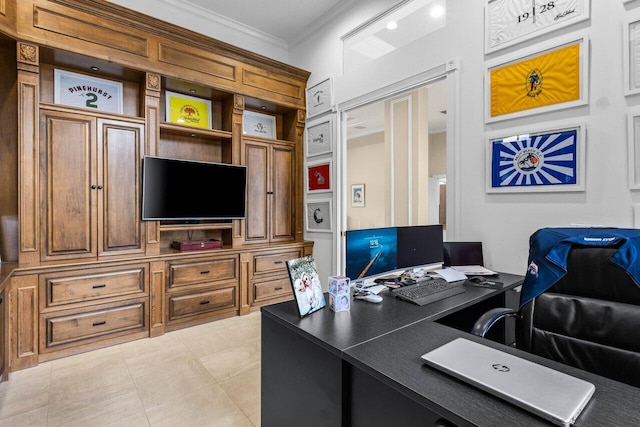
[462, 253]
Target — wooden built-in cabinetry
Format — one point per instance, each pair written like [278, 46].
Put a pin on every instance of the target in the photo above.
[90, 272]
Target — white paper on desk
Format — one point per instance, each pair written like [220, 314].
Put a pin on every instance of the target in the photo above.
[450, 275]
[474, 270]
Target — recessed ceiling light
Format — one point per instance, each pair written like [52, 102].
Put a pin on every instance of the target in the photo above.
[94, 68]
[192, 90]
[392, 25]
[437, 11]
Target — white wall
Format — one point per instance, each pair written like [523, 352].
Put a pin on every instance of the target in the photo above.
[503, 221]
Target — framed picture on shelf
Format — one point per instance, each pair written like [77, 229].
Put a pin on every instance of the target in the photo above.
[319, 137]
[357, 195]
[633, 135]
[188, 110]
[319, 98]
[258, 124]
[508, 22]
[81, 90]
[536, 160]
[551, 78]
[319, 216]
[319, 176]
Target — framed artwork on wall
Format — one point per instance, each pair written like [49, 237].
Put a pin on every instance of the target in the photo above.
[319, 176]
[319, 216]
[357, 195]
[551, 78]
[631, 54]
[320, 137]
[320, 98]
[81, 90]
[188, 110]
[258, 124]
[536, 160]
[633, 135]
[508, 22]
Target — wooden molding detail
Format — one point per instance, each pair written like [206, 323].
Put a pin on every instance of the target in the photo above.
[28, 53]
[302, 115]
[95, 31]
[23, 322]
[212, 65]
[153, 82]
[274, 84]
[238, 102]
[157, 298]
[3, 8]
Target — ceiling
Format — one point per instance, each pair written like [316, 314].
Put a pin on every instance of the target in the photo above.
[291, 20]
[287, 20]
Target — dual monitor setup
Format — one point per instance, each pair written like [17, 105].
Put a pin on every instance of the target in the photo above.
[379, 251]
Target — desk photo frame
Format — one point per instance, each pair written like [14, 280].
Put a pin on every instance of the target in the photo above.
[549, 159]
[306, 285]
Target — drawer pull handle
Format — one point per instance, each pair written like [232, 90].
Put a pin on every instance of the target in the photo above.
[204, 302]
[99, 323]
[205, 272]
[279, 288]
[99, 286]
[277, 262]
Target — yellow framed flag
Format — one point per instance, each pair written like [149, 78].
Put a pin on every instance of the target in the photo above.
[547, 80]
[188, 110]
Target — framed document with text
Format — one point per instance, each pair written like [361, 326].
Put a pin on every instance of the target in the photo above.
[631, 54]
[508, 22]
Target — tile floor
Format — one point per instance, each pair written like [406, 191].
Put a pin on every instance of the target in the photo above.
[206, 375]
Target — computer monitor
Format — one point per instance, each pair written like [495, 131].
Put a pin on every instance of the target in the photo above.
[375, 251]
[462, 253]
[370, 252]
[419, 246]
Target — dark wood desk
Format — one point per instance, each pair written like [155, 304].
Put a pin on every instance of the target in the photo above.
[305, 378]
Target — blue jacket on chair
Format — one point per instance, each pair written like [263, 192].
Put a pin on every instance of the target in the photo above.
[549, 249]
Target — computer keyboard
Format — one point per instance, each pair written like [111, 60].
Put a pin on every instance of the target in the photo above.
[428, 291]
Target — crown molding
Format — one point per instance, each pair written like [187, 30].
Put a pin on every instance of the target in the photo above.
[331, 15]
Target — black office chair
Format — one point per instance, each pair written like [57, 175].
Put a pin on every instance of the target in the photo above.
[590, 317]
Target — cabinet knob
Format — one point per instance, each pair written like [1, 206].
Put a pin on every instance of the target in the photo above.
[100, 187]
[93, 187]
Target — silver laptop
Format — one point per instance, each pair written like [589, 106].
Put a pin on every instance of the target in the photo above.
[553, 395]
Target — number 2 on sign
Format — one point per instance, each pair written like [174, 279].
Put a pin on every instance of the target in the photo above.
[91, 100]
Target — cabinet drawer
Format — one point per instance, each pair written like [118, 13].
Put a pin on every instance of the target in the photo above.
[202, 302]
[274, 262]
[206, 271]
[66, 289]
[271, 289]
[83, 326]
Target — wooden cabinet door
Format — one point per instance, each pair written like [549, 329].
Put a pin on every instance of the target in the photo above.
[120, 151]
[282, 197]
[67, 174]
[256, 224]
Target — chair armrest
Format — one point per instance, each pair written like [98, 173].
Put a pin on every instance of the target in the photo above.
[486, 321]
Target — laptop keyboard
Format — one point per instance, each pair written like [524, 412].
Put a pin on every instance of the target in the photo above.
[428, 291]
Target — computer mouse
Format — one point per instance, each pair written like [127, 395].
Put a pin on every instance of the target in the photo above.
[370, 298]
[477, 280]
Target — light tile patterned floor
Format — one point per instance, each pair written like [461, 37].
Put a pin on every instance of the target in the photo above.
[206, 375]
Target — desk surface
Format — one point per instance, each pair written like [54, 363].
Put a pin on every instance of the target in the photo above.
[338, 331]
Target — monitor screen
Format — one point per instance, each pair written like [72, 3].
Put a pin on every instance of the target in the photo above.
[370, 252]
[462, 253]
[375, 251]
[419, 245]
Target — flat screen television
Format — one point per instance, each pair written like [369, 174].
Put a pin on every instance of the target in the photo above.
[184, 190]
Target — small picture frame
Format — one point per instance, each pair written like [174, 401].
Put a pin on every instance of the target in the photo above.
[319, 216]
[357, 195]
[633, 135]
[537, 160]
[320, 98]
[83, 91]
[306, 285]
[258, 124]
[187, 110]
[319, 176]
[631, 54]
[319, 137]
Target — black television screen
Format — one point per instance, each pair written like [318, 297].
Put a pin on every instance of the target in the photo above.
[182, 190]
